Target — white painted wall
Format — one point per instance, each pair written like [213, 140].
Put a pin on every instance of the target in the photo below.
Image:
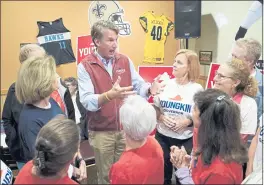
[220, 40]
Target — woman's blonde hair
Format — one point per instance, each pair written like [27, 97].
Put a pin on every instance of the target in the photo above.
[35, 79]
[193, 63]
[248, 84]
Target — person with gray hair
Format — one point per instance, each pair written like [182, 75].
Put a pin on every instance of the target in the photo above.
[30, 50]
[249, 50]
[105, 77]
[142, 160]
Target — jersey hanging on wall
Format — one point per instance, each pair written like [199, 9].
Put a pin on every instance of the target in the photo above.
[157, 29]
[55, 38]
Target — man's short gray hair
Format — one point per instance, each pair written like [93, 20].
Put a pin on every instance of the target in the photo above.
[31, 50]
[138, 117]
[252, 48]
[98, 27]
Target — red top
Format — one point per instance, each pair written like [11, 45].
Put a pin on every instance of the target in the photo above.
[217, 173]
[140, 166]
[25, 176]
[153, 132]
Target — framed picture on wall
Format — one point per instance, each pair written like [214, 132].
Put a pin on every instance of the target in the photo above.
[205, 57]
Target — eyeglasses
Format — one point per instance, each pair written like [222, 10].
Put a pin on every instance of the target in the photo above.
[221, 76]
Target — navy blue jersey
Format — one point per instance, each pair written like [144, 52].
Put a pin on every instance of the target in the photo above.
[55, 38]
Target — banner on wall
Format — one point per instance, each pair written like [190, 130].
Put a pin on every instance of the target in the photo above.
[85, 46]
[210, 80]
[149, 73]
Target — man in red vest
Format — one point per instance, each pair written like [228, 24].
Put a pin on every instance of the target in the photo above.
[105, 77]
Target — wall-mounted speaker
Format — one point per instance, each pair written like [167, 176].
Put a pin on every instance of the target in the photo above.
[187, 19]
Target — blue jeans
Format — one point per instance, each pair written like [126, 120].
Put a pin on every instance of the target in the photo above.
[20, 165]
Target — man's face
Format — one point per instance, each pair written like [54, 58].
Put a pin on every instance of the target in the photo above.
[240, 53]
[107, 45]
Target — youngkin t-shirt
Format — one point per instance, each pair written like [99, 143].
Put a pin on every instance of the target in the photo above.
[176, 101]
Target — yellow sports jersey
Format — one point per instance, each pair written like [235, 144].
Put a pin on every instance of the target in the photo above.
[157, 29]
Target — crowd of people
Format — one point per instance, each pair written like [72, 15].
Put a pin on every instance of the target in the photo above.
[203, 136]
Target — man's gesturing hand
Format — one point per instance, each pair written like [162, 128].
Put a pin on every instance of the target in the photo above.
[120, 92]
[157, 87]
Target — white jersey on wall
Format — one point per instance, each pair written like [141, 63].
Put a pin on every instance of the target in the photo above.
[176, 101]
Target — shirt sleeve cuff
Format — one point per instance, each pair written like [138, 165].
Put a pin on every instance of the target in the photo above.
[93, 103]
[182, 172]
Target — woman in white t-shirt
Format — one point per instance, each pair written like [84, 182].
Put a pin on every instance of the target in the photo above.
[174, 107]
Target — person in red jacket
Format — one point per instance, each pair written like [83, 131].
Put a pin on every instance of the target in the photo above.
[142, 161]
[56, 147]
[220, 151]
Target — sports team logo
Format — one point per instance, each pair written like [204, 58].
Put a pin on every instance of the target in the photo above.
[109, 11]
